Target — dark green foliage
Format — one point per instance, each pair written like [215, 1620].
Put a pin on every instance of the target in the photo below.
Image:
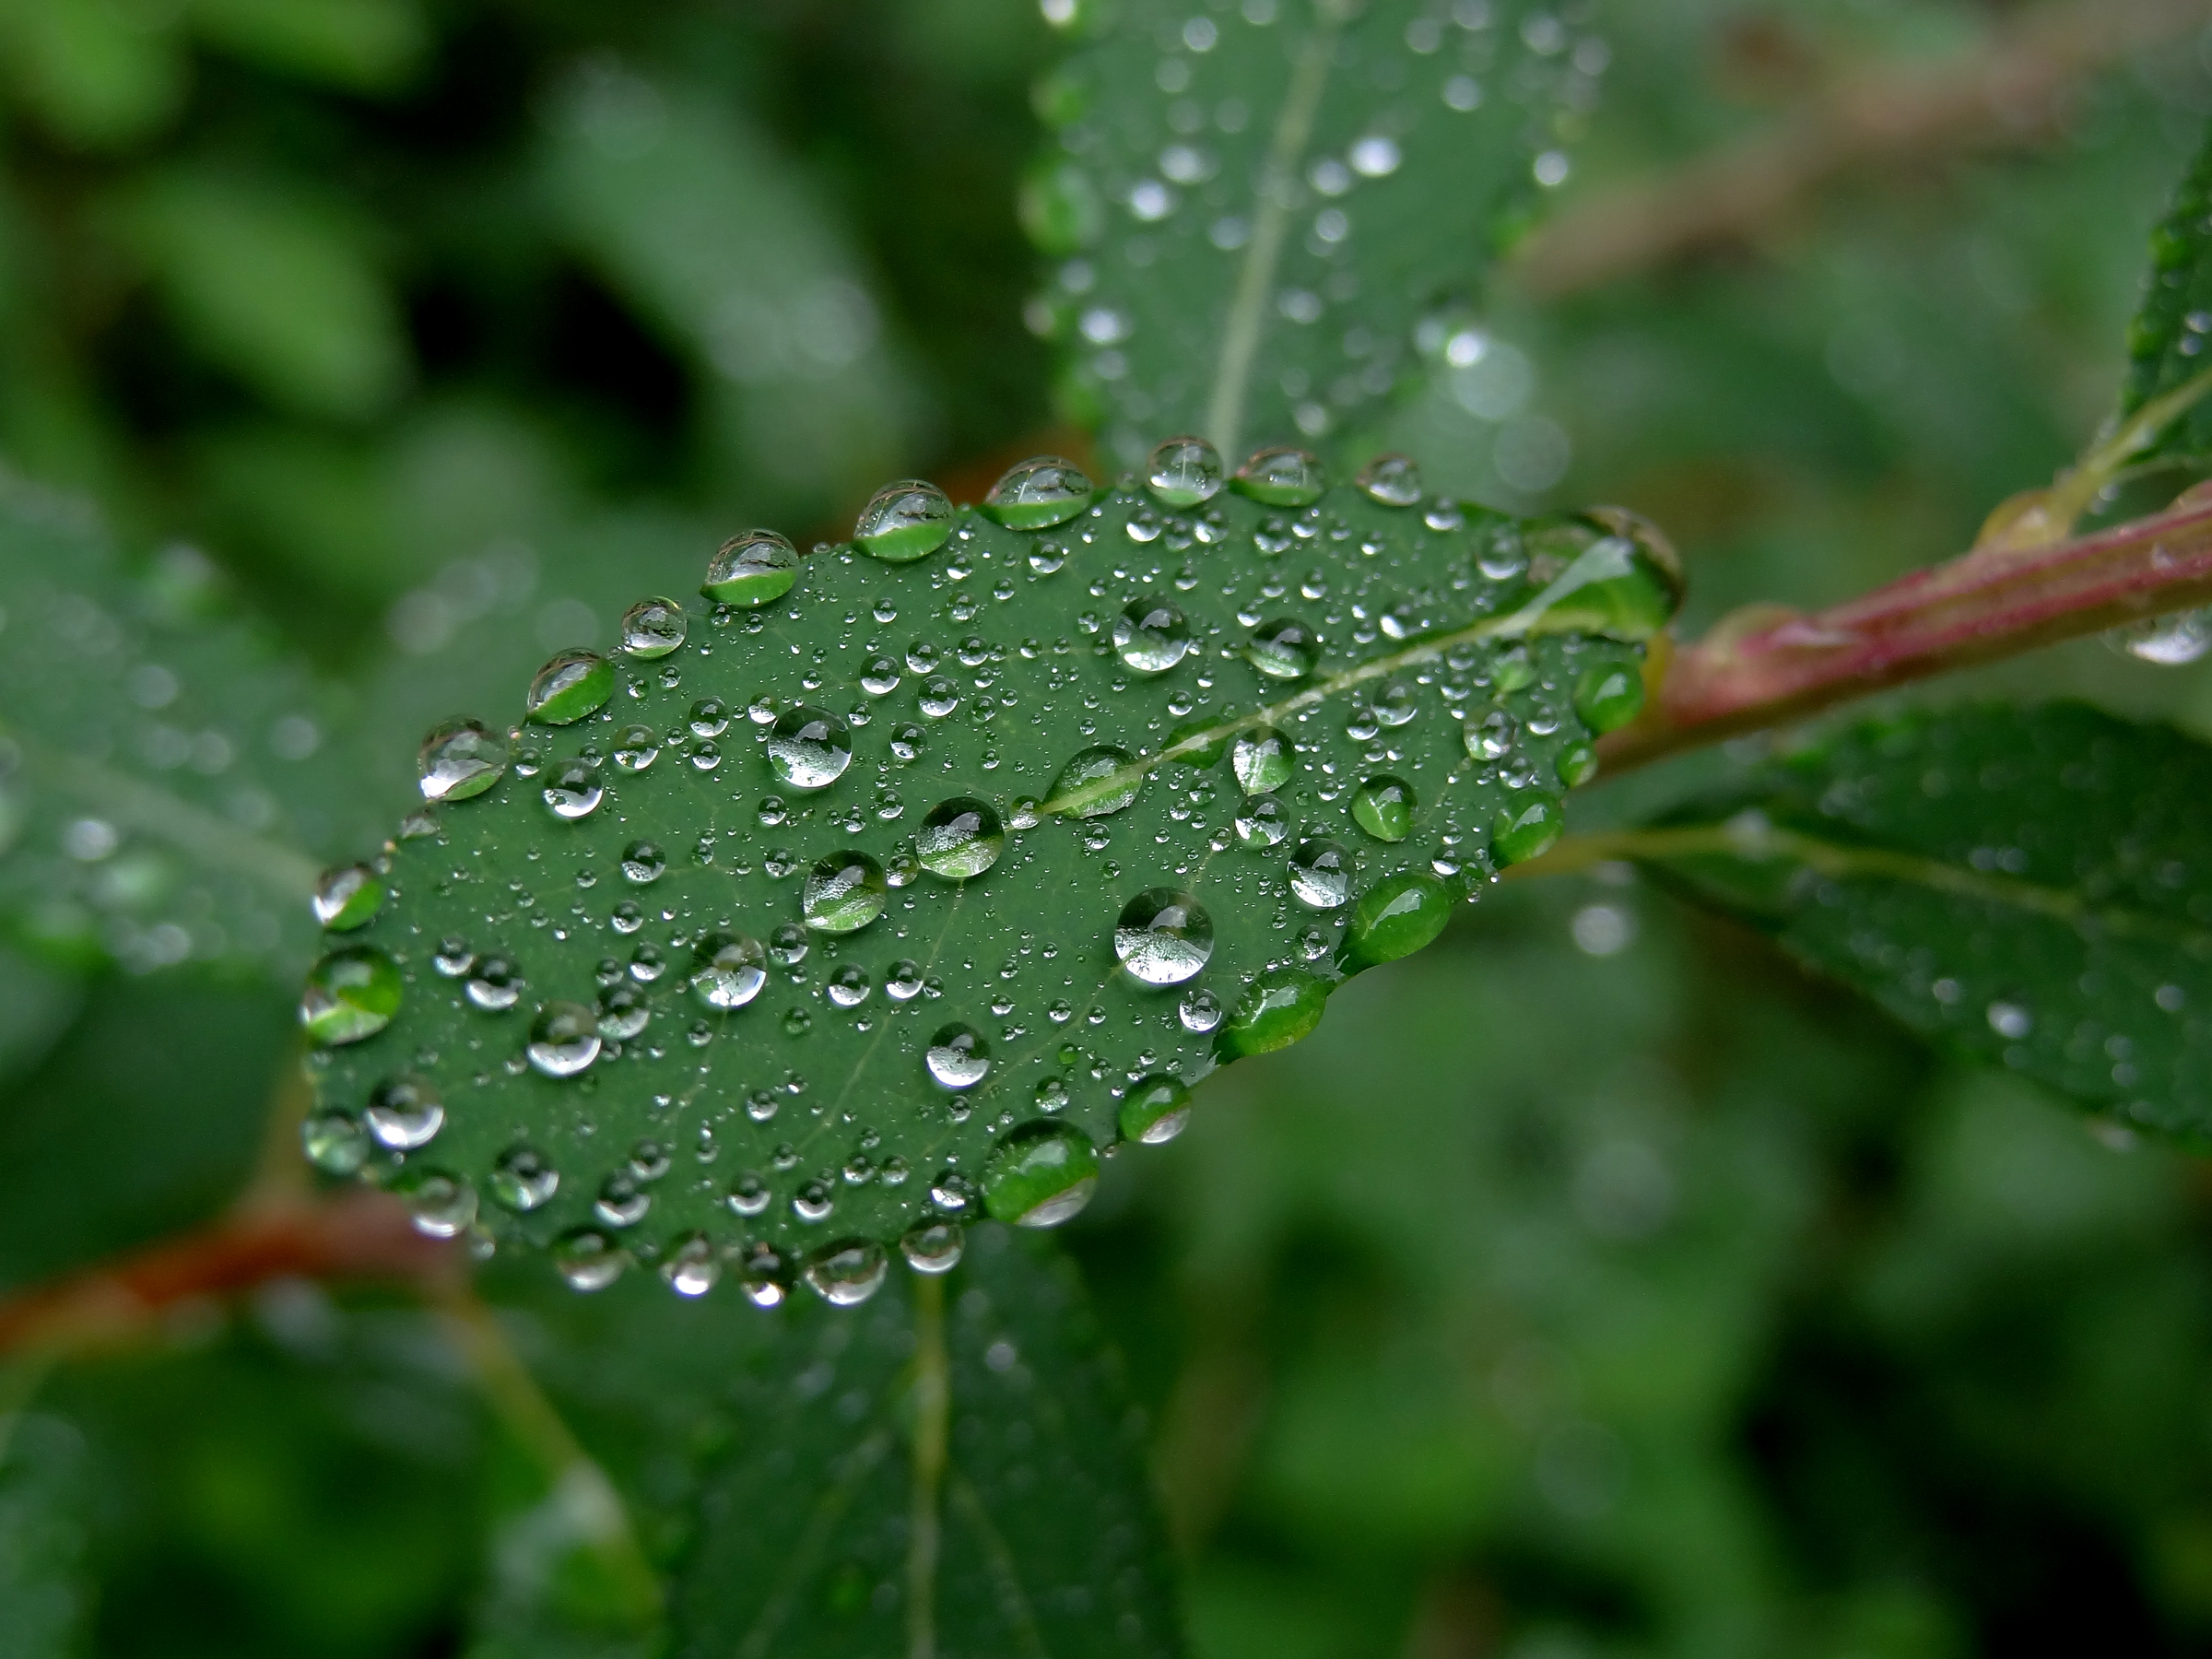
[2167, 341]
[2032, 886]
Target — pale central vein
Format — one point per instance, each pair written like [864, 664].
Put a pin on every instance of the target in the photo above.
[1270, 225]
[933, 1410]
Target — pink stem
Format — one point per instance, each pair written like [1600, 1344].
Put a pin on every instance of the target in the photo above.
[1765, 667]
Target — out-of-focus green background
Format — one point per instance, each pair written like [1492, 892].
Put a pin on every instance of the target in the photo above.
[1593, 1283]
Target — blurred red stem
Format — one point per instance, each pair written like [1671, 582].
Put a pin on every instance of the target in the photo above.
[1765, 669]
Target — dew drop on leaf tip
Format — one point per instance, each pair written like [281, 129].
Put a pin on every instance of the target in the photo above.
[905, 521]
[1039, 494]
[572, 685]
[654, 627]
[460, 759]
[754, 569]
[1185, 472]
[347, 897]
[1282, 477]
[1041, 1174]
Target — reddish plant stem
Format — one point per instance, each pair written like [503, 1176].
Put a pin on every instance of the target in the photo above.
[360, 1234]
[1766, 667]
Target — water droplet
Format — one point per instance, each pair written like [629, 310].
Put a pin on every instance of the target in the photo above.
[958, 1057]
[1608, 696]
[588, 1259]
[1384, 806]
[647, 964]
[907, 743]
[1156, 1109]
[1606, 571]
[749, 1194]
[939, 697]
[880, 676]
[572, 790]
[1282, 478]
[904, 521]
[843, 893]
[848, 986]
[636, 748]
[643, 862]
[1283, 648]
[440, 1205]
[405, 1112]
[1282, 1005]
[812, 1202]
[1263, 759]
[1577, 765]
[932, 1246]
[1083, 789]
[1026, 813]
[1394, 918]
[960, 838]
[1036, 495]
[2010, 1020]
[620, 1202]
[1392, 480]
[454, 957]
[351, 995]
[1262, 822]
[1527, 829]
[763, 1276]
[572, 685]
[623, 1013]
[754, 568]
[1151, 637]
[1321, 874]
[809, 749]
[459, 760]
[346, 897]
[1185, 472]
[846, 1274]
[1041, 1174]
[1492, 736]
[523, 1181]
[691, 1267]
[1163, 936]
[902, 981]
[728, 969]
[564, 1038]
[654, 627]
[496, 985]
[709, 718]
[335, 1142]
[2168, 642]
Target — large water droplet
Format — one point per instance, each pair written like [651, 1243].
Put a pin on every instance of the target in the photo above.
[728, 969]
[636, 748]
[1151, 636]
[1490, 736]
[2168, 642]
[757, 568]
[1185, 472]
[1526, 829]
[1384, 806]
[335, 1142]
[347, 897]
[1041, 1174]
[496, 985]
[843, 893]
[904, 521]
[763, 1275]
[847, 1272]
[1163, 936]
[523, 1180]
[1284, 649]
[1391, 479]
[564, 1038]
[459, 760]
[932, 1246]
[1036, 495]
[1608, 696]
[440, 1205]
[351, 995]
[572, 685]
[643, 862]
[1263, 759]
[691, 1265]
[587, 1259]
[1156, 1109]
[623, 1012]
[1282, 1005]
[1606, 571]
[1262, 822]
[572, 790]
[1321, 874]
[1394, 918]
[960, 838]
[1096, 782]
[809, 749]
[405, 1112]
[654, 627]
[1282, 478]
[958, 1057]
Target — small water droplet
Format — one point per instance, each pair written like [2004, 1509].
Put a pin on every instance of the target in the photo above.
[1321, 874]
[958, 1057]
[1263, 759]
[880, 676]
[1041, 1174]
[636, 748]
[351, 995]
[1526, 830]
[848, 986]
[496, 985]
[1607, 696]
[1185, 472]
[1383, 806]
[905, 521]
[572, 790]
[588, 1260]
[523, 1180]
[454, 957]
[347, 897]
[1262, 821]
[1282, 478]
[1199, 1012]
[1490, 736]
[1284, 649]
[809, 749]
[1151, 636]
[623, 1013]
[335, 1142]
[691, 1267]
[728, 969]
[564, 1038]
[1163, 936]
[902, 981]
[440, 1205]
[1392, 480]
[405, 1112]
[1281, 1007]
[754, 568]
[572, 685]
[643, 862]
[843, 893]
[459, 760]
[1039, 494]
[960, 839]
[1155, 1109]
[763, 1276]
[748, 1195]
[847, 1272]
[654, 627]
[932, 1247]
[620, 1202]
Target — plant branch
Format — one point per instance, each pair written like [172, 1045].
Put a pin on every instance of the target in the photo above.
[1888, 115]
[1766, 665]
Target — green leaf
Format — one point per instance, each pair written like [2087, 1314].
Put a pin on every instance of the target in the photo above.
[362, 45]
[2031, 887]
[99, 73]
[809, 931]
[167, 777]
[44, 1602]
[2167, 341]
[274, 285]
[955, 1469]
[1260, 217]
